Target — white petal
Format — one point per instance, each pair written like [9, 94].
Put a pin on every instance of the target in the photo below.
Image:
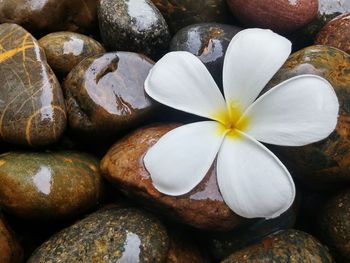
[252, 58]
[180, 80]
[182, 157]
[252, 181]
[299, 111]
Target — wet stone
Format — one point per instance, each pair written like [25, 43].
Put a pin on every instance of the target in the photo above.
[181, 13]
[287, 246]
[334, 225]
[109, 235]
[10, 250]
[49, 186]
[323, 165]
[39, 16]
[278, 15]
[202, 208]
[336, 33]
[64, 50]
[133, 25]
[32, 110]
[209, 42]
[105, 94]
[221, 245]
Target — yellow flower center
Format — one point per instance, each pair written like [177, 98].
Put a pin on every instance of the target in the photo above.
[231, 120]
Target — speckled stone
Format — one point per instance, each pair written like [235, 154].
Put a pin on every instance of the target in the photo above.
[105, 94]
[181, 13]
[326, 164]
[109, 235]
[133, 25]
[10, 250]
[278, 15]
[49, 185]
[64, 50]
[32, 110]
[336, 33]
[203, 207]
[39, 16]
[209, 42]
[290, 246]
[334, 225]
[221, 245]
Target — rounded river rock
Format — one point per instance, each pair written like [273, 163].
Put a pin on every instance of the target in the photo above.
[32, 109]
[107, 236]
[49, 185]
[203, 207]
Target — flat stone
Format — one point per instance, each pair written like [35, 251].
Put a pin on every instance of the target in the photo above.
[105, 94]
[32, 108]
[49, 186]
[10, 250]
[109, 235]
[202, 208]
[64, 50]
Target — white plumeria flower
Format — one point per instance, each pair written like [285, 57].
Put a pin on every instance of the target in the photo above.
[251, 179]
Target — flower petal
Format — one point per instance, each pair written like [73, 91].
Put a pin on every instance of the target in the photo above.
[252, 181]
[299, 111]
[252, 58]
[180, 80]
[183, 156]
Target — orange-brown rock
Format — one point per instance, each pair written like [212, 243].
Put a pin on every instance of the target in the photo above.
[10, 250]
[202, 208]
[336, 33]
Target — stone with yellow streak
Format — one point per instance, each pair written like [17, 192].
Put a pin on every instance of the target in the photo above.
[32, 109]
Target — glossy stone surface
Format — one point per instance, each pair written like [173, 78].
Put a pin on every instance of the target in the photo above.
[322, 165]
[278, 15]
[109, 235]
[334, 223]
[181, 13]
[64, 50]
[288, 246]
[32, 110]
[209, 42]
[133, 25]
[221, 245]
[105, 93]
[10, 250]
[327, 10]
[336, 33]
[39, 16]
[202, 208]
[49, 185]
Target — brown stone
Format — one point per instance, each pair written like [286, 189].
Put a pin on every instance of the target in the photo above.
[50, 15]
[32, 109]
[105, 94]
[278, 15]
[336, 33]
[64, 50]
[49, 186]
[10, 250]
[287, 246]
[202, 208]
[334, 223]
